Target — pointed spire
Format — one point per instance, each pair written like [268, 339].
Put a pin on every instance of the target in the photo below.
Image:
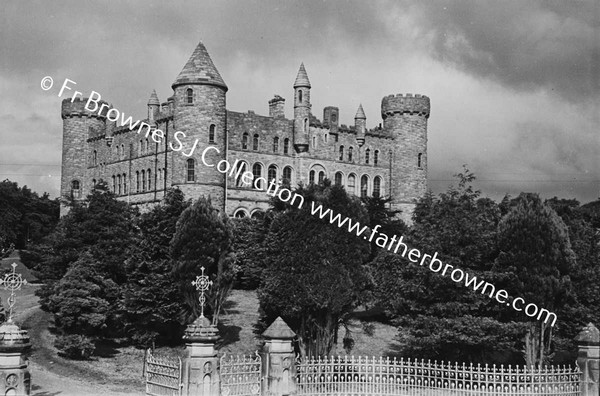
[200, 69]
[360, 113]
[302, 78]
[153, 98]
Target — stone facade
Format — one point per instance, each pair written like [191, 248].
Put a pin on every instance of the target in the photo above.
[389, 160]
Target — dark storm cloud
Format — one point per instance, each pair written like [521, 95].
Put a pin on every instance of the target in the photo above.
[552, 45]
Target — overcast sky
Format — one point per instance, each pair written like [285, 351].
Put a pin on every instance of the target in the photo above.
[514, 85]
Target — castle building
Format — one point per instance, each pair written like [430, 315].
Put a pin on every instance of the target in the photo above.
[389, 160]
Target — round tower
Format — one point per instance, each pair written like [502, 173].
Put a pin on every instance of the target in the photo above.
[405, 119]
[153, 107]
[79, 124]
[199, 111]
[301, 110]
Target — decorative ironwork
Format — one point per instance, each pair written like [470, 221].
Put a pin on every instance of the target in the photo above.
[385, 376]
[241, 375]
[202, 284]
[163, 375]
[13, 282]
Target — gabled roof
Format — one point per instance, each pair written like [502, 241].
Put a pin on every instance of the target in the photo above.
[302, 78]
[200, 69]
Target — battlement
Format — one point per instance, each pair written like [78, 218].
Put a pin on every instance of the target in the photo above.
[77, 109]
[400, 104]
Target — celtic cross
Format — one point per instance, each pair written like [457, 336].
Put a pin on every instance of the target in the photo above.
[202, 284]
[12, 281]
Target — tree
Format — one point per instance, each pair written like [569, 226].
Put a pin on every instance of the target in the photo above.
[536, 255]
[248, 235]
[152, 302]
[313, 270]
[203, 239]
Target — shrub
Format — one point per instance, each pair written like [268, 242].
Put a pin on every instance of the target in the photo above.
[75, 346]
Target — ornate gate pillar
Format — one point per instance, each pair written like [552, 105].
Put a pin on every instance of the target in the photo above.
[588, 359]
[279, 366]
[200, 370]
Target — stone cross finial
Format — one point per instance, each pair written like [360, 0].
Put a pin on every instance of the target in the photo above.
[202, 284]
[12, 281]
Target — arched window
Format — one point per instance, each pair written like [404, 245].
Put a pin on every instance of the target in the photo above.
[75, 184]
[321, 177]
[341, 153]
[119, 184]
[377, 187]
[242, 168]
[419, 159]
[191, 165]
[255, 142]
[314, 142]
[352, 184]
[257, 214]
[364, 186]
[245, 141]
[143, 180]
[147, 147]
[287, 174]
[149, 179]
[271, 173]
[367, 155]
[189, 95]
[159, 175]
[114, 184]
[124, 183]
[306, 125]
[95, 158]
[300, 96]
[339, 178]
[257, 172]
[122, 151]
[376, 157]
[350, 149]
[141, 148]
[286, 146]
[275, 144]
[211, 133]
[311, 177]
[137, 181]
[240, 214]
[75, 189]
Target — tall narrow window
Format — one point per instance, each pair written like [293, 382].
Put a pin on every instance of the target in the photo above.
[341, 153]
[306, 125]
[419, 159]
[350, 149]
[75, 184]
[119, 184]
[338, 178]
[146, 147]
[287, 174]
[352, 184]
[245, 141]
[211, 133]
[321, 177]
[377, 187]
[375, 157]
[189, 93]
[141, 148]
[93, 183]
[367, 155]
[257, 172]
[75, 189]
[191, 170]
[95, 158]
[311, 177]
[300, 96]
[275, 144]
[159, 175]
[137, 181]
[255, 142]
[124, 183]
[364, 186]
[143, 180]
[286, 146]
[272, 173]
[242, 168]
[149, 173]
[114, 184]
[122, 151]
[314, 142]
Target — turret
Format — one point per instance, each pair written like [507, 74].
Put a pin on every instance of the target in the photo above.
[360, 125]
[301, 110]
[153, 107]
[405, 119]
[199, 111]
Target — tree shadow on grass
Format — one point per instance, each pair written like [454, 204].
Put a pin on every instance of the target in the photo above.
[106, 349]
[228, 308]
[229, 335]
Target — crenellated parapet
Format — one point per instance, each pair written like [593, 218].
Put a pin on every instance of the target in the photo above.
[77, 109]
[401, 104]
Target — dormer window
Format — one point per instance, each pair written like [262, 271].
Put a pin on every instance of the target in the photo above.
[189, 95]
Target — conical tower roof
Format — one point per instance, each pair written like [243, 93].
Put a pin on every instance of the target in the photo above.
[200, 69]
[360, 113]
[153, 98]
[302, 78]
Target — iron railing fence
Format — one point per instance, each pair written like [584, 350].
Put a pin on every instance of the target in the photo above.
[384, 376]
[163, 375]
[241, 375]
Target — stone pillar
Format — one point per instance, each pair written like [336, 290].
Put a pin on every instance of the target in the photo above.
[200, 368]
[14, 373]
[279, 368]
[588, 359]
